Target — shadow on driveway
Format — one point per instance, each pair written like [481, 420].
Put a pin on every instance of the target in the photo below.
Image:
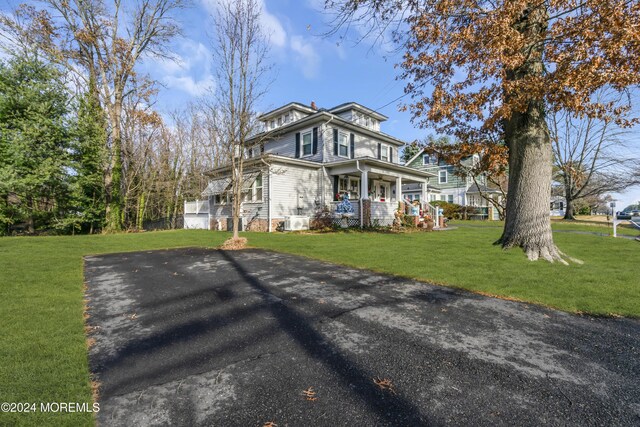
[206, 337]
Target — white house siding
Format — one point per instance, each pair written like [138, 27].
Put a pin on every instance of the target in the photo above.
[364, 146]
[286, 145]
[295, 187]
[382, 213]
[196, 221]
[250, 209]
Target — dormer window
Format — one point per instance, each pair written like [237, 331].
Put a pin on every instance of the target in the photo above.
[280, 121]
[286, 118]
[426, 159]
[273, 124]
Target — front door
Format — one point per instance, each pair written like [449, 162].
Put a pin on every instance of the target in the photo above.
[382, 191]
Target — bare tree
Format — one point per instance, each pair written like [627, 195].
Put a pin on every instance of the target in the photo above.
[590, 157]
[241, 50]
[100, 42]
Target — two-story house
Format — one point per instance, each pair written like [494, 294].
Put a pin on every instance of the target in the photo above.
[309, 158]
[448, 185]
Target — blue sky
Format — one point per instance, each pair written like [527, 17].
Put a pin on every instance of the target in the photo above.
[307, 67]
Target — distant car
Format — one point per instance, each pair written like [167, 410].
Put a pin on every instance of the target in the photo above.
[635, 212]
[623, 215]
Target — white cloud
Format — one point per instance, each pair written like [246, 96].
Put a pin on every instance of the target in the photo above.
[306, 56]
[190, 85]
[190, 71]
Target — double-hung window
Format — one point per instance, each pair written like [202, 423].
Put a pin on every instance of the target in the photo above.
[442, 177]
[306, 143]
[343, 145]
[384, 152]
[426, 159]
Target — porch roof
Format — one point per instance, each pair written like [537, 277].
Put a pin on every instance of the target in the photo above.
[217, 186]
[379, 166]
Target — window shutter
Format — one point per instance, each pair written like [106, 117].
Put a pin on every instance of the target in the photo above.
[335, 142]
[335, 187]
[315, 141]
[379, 151]
[297, 145]
[391, 154]
[353, 146]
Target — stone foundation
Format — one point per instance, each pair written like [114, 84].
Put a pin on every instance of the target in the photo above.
[258, 225]
[366, 212]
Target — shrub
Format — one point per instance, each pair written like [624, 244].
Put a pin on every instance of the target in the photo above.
[322, 219]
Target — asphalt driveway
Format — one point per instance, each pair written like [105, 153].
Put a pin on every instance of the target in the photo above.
[206, 337]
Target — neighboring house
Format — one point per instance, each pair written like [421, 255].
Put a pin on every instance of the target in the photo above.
[311, 158]
[557, 205]
[447, 186]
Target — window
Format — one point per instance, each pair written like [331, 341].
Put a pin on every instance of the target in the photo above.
[257, 189]
[286, 118]
[443, 197]
[384, 152]
[433, 198]
[367, 121]
[450, 198]
[343, 145]
[416, 197]
[442, 177]
[354, 187]
[280, 121]
[425, 159]
[306, 144]
[273, 124]
[254, 194]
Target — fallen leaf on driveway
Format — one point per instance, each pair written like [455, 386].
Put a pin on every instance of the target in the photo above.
[310, 394]
[385, 384]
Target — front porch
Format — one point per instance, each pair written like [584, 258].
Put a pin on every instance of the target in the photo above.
[374, 189]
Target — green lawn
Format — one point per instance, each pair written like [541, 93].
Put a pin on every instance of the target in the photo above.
[43, 351]
[602, 227]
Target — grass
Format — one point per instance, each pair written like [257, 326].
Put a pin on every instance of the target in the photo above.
[582, 225]
[43, 352]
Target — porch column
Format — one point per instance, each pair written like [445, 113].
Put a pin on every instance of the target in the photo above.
[399, 189]
[365, 203]
[364, 185]
[423, 196]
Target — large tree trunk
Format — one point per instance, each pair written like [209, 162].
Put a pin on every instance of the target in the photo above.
[528, 224]
[113, 177]
[568, 208]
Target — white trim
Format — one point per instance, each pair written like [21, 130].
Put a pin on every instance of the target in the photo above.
[446, 176]
[347, 144]
[302, 134]
[382, 147]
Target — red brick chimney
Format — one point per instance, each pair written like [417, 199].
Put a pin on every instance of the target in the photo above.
[313, 105]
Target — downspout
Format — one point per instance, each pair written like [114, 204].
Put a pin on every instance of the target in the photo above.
[361, 208]
[270, 228]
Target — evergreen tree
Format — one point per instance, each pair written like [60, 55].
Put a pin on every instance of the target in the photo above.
[34, 144]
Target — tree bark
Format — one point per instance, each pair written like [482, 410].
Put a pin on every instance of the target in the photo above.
[568, 208]
[528, 224]
[113, 176]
